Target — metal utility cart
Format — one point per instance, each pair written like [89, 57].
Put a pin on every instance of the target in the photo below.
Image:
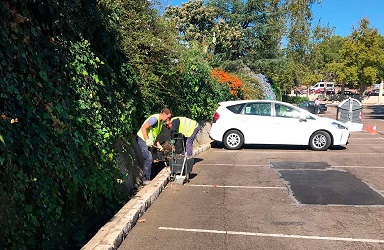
[180, 166]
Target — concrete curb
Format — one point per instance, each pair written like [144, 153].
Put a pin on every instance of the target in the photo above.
[112, 234]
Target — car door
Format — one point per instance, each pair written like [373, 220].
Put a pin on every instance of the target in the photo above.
[255, 121]
[309, 106]
[289, 127]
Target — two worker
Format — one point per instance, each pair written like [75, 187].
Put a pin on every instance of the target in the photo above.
[152, 127]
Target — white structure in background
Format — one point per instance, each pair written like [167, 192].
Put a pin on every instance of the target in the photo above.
[330, 86]
[349, 111]
[381, 92]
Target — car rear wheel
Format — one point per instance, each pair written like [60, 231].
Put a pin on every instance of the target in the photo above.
[320, 141]
[233, 139]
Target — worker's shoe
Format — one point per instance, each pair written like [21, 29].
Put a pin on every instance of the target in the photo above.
[146, 182]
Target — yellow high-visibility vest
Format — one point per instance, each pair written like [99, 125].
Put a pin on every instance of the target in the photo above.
[186, 127]
[152, 132]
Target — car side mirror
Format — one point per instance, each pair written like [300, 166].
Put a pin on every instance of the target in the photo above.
[303, 118]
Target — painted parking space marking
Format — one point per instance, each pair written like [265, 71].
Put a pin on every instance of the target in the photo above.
[226, 164]
[365, 138]
[290, 152]
[292, 236]
[364, 167]
[267, 166]
[244, 187]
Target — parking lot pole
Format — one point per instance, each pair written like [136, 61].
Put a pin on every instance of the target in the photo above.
[381, 91]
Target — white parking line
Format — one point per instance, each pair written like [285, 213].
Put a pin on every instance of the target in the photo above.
[290, 152]
[267, 166]
[309, 237]
[365, 167]
[226, 164]
[245, 187]
[362, 138]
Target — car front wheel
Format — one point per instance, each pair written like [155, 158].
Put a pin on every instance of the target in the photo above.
[233, 139]
[320, 141]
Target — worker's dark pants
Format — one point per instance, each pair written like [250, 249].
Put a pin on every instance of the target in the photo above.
[189, 142]
[147, 159]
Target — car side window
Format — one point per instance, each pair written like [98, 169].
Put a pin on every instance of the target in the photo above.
[286, 111]
[236, 108]
[262, 109]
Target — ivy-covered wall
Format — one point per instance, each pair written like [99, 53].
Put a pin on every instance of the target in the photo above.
[66, 96]
[70, 103]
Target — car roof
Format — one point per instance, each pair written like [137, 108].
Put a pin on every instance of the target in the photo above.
[228, 103]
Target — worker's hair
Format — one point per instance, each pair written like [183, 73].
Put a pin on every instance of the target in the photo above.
[176, 124]
[166, 111]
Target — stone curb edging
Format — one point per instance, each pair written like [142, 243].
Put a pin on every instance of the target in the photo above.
[113, 233]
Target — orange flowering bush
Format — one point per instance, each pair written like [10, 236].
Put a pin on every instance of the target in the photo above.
[236, 86]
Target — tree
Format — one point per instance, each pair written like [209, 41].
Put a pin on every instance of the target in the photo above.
[260, 23]
[299, 18]
[150, 44]
[196, 22]
[234, 34]
[363, 58]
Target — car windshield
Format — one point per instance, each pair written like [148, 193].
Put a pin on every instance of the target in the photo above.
[307, 104]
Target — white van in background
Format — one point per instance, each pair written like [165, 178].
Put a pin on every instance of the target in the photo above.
[321, 86]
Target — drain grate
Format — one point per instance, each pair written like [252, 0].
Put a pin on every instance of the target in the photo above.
[319, 184]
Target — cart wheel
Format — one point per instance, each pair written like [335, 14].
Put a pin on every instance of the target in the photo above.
[187, 177]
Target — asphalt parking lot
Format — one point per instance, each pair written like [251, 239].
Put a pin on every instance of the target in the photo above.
[244, 199]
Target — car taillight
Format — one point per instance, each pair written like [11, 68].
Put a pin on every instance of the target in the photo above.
[216, 117]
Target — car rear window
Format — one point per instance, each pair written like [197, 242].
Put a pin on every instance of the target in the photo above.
[236, 108]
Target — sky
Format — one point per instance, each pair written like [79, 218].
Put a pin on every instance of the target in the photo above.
[342, 15]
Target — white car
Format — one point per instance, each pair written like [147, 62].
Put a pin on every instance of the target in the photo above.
[236, 123]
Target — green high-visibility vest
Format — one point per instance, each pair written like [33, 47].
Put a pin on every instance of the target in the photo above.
[152, 132]
[186, 127]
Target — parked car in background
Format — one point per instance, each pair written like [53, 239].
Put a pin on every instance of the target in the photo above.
[236, 123]
[348, 93]
[327, 95]
[321, 87]
[310, 106]
[340, 96]
[373, 92]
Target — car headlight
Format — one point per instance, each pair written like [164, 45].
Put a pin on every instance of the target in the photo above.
[338, 125]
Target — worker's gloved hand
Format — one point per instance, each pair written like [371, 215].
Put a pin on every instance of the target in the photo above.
[149, 142]
[160, 148]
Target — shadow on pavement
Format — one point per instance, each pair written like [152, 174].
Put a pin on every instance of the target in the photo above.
[216, 144]
[375, 112]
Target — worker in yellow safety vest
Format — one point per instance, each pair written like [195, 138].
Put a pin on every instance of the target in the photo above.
[146, 138]
[188, 127]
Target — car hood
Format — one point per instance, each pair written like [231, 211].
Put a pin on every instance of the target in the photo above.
[330, 120]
